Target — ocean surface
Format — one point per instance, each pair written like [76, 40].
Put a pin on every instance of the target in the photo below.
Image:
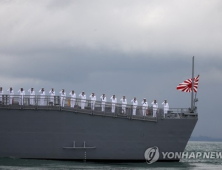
[185, 163]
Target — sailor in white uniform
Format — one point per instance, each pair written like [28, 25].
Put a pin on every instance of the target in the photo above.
[103, 101]
[93, 100]
[123, 100]
[11, 93]
[73, 98]
[21, 98]
[165, 107]
[1, 93]
[42, 96]
[135, 103]
[114, 101]
[83, 99]
[32, 96]
[52, 94]
[155, 107]
[144, 106]
[62, 97]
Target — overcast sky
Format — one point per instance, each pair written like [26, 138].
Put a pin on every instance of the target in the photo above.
[140, 48]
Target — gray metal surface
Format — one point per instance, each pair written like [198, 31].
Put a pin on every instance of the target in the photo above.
[46, 134]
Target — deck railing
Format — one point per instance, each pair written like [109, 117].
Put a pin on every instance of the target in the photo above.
[90, 107]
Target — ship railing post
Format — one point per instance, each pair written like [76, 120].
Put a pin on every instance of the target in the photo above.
[4, 99]
[104, 108]
[157, 114]
[93, 107]
[27, 100]
[47, 102]
[43, 104]
[104, 111]
[131, 110]
[76, 105]
[37, 101]
[1, 103]
[116, 110]
[22, 101]
[7, 101]
[60, 103]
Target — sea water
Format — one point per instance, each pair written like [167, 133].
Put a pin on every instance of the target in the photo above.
[185, 163]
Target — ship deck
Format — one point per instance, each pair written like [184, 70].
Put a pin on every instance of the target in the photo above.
[49, 104]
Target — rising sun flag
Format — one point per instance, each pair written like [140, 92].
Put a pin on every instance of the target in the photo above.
[186, 86]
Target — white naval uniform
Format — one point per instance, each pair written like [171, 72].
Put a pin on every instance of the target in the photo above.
[165, 108]
[93, 101]
[114, 101]
[124, 103]
[155, 107]
[21, 98]
[11, 93]
[135, 103]
[73, 99]
[52, 94]
[103, 100]
[83, 100]
[1, 93]
[62, 98]
[32, 96]
[144, 107]
[42, 97]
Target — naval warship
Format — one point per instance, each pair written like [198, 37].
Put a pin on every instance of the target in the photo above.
[51, 131]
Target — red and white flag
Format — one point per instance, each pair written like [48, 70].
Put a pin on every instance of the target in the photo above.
[186, 86]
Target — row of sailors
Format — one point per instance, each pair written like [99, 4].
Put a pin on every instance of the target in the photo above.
[82, 96]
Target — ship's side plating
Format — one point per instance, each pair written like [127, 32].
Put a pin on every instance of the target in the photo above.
[55, 134]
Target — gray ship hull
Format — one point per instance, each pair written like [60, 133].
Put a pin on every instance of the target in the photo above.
[54, 134]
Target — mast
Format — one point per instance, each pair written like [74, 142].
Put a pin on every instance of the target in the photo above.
[192, 100]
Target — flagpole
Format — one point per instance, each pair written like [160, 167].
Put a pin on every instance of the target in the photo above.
[192, 100]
